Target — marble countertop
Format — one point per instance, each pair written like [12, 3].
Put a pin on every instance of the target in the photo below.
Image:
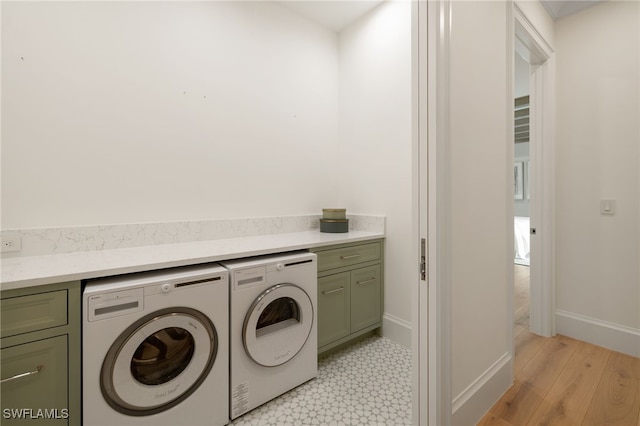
[20, 272]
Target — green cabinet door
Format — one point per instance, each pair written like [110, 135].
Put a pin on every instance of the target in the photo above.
[34, 384]
[333, 307]
[365, 297]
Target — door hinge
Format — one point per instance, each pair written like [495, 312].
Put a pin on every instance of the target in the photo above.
[423, 260]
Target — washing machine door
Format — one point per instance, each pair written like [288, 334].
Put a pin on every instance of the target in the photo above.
[158, 361]
[277, 325]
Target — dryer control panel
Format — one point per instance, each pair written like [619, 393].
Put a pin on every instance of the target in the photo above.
[250, 277]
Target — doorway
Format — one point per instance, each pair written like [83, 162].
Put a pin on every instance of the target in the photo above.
[522, 208]
[538, 172]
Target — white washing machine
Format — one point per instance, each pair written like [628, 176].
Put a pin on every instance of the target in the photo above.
[273, 327]
[155, 348]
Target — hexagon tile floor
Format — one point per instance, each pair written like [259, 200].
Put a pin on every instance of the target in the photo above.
[367, 384]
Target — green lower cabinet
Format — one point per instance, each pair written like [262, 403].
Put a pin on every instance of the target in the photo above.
[35, 382]
[40, 358]
[350, 289]
[365, 297]
[333, 298]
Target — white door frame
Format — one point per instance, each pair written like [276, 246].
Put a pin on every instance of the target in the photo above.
[419, 295]
[432, 334]
[432, 398]
[533, 47]
[439, 256]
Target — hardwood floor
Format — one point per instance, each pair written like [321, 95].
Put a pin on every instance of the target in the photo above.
[563, 381]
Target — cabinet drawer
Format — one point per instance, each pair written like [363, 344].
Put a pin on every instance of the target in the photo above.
[34, 312]
[336, 258]
[45, 389]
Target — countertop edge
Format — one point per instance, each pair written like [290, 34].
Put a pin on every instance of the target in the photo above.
[32, 271]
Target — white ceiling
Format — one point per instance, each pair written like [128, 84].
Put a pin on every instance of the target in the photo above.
[335, 15]
[561, 8]
[339, 14]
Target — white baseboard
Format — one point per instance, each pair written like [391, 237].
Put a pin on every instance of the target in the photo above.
[602, 333]
[397, 330]
[476, 400]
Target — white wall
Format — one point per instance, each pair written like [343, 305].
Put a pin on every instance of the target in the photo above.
[132, 112]
[481, 155]
[375, 140]
[126, 112]
[598, 156]
[521, 76]
[538, 16]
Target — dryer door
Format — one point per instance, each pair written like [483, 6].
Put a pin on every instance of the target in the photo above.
[277, 325]
[158, 361]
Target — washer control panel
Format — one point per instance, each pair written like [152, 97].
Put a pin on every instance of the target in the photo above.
[113, 304]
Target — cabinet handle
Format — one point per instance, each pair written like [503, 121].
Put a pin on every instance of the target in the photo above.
[333, 291]
[365, 282]
[20, 376]
[351, 256]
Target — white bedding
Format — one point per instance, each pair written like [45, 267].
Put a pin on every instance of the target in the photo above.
[521, 237]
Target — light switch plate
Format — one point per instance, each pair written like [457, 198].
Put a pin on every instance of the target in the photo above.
[608, 207]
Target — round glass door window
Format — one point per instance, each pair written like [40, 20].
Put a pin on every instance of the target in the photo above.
[277, 325]
[159, 361]
[162, 356]
[279, 313]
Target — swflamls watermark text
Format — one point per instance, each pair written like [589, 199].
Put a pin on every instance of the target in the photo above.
[35, 413]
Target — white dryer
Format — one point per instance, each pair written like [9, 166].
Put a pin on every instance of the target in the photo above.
[155, 348]
[273, 327]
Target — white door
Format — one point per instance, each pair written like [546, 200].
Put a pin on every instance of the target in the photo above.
[431, 336]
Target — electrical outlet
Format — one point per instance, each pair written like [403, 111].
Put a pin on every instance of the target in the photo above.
[10, 244]
[314, 223]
